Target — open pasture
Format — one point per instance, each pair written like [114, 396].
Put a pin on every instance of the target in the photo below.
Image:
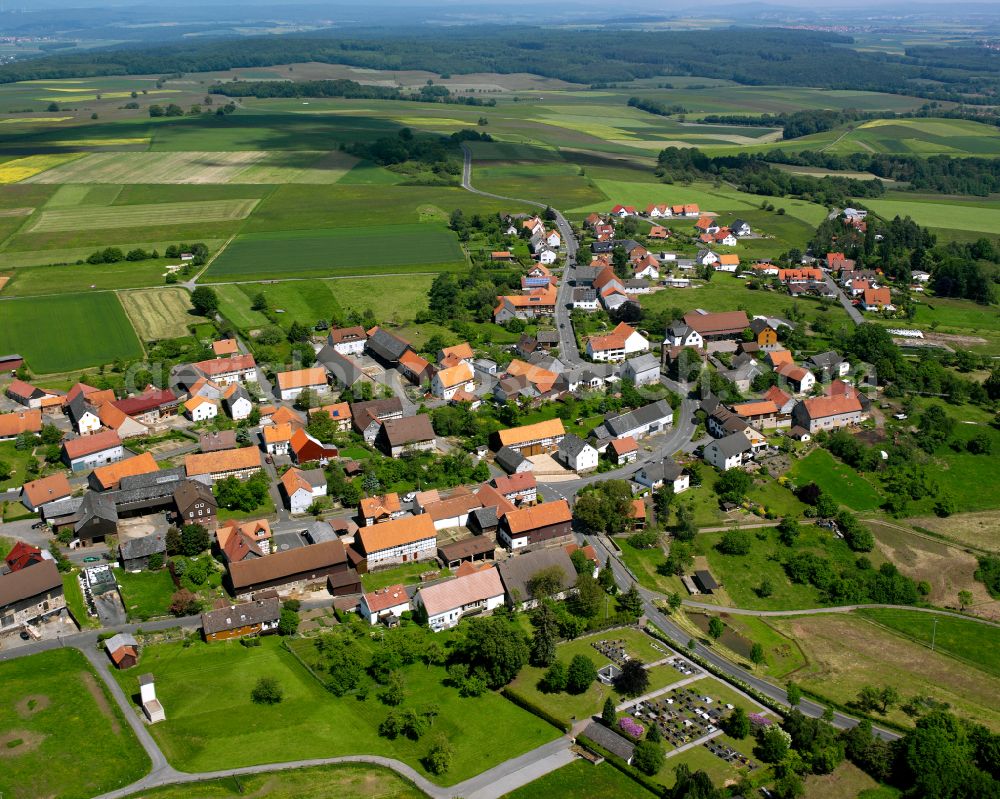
[939, 215]
[138, 216]
[558, 184]
[39, 280]
[842, 483]
[159, 313]
[68, 331]
[968, 640]
[845, 652]
[321, 253]
[391, 299]
[61, 733]
[212, 722]
[296, 207]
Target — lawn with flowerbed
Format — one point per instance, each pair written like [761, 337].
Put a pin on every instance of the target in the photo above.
[566, 706]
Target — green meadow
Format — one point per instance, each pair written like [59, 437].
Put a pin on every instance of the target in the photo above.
[339, 251]
[68, 331]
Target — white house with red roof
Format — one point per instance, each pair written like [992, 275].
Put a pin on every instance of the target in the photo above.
[390, 601]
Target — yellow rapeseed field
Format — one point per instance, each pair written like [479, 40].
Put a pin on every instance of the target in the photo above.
[21, 168]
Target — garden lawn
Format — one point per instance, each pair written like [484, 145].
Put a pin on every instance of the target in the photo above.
[342, 781]
[146, 594]
[417, 247]
[407, 574]
[643, 564]
[582, 780]
[75, 603]
[842, 483]
[212, 723]
[42, 328]
[565, 706]
[724, 292]
[17, 460]
[971, 641]
[62, 734]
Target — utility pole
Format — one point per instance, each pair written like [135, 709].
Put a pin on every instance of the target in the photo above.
[934, 634]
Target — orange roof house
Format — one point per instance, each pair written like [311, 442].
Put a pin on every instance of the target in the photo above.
[105, 478]
[222, 463]
[227, 346]
[45, 489]
[550, 430]
[302, 378]
[13, 424]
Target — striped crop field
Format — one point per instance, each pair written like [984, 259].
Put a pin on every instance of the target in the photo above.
[202, 167]
[159, 313]
[139, 216]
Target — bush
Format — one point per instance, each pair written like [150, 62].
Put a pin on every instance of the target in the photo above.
[735, 542]
[581, 674]
[288, 622]
[267, 691]
[554, 679]
[439, 756]
[648, 757]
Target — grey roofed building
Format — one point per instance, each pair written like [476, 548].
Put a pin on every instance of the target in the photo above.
[134, 550]
[96, 509]
[637, 284]
[118, 640]
[666, 471]
[384, 345]
[571, 446]
[546, 361]
[245, 614]
[608, 739]
[341, 369]
[78, 407]
[599, 247]
[147, 491]
[319, 531]
[585, 276]
[824, 360]
[710, 404]
[732, 444]
[644, 363]
[584, 295]
[759, 324]
[315, 477]
[547, 337]
[678, 329]
[705, 580]
[623, 424]
[627, 244]
[485, 366]
[509, 459]
[516, 572]
[238, 394]
[483, 519]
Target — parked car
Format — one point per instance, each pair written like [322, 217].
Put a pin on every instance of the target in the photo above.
[91, 559]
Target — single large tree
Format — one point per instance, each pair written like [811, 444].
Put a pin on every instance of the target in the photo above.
[581, 674]
[634, 679]
[205, 301]
[495, 649]
[543, 640]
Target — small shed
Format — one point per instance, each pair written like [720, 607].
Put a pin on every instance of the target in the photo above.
[705, 581]
[123, 650]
